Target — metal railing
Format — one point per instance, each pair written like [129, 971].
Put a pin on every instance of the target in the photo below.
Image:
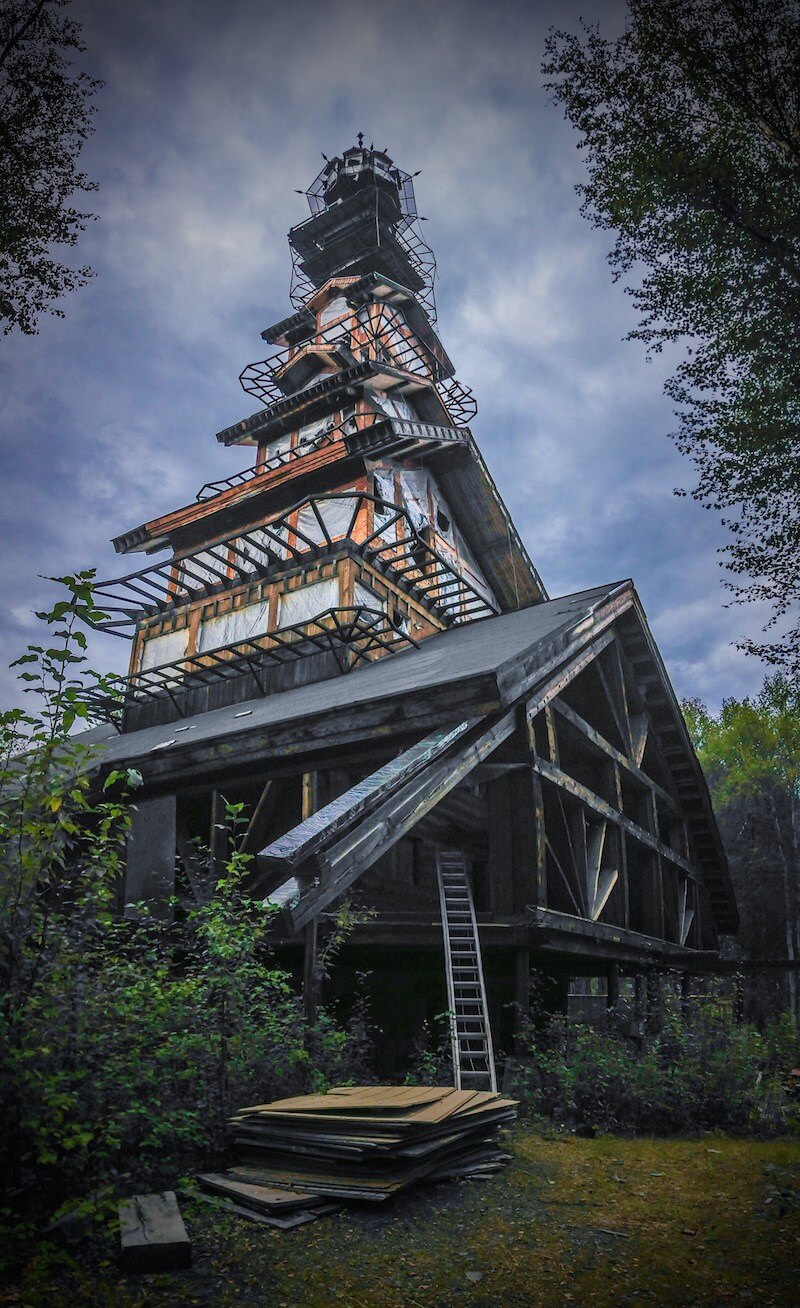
[375, 332]
[353, 635]
[413, 564]
[326, 437]
[356, 438]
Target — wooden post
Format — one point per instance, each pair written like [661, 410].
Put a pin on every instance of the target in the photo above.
[612, 994]
[522, 986]
[540, 872]
[256, 830]
[310, 976]
[150, 858]
[218, 836]
[685, 995]
[738, 999]
[638, 1003]
[652, 994]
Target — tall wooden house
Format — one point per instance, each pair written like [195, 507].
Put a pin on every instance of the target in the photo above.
[348, 636]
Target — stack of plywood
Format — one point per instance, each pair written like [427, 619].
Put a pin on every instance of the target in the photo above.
[368, 1142]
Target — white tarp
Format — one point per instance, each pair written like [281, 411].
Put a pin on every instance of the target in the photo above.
[229, 628]
[395, 406]
[384, 490]
[414, 487]
[336, 513]
[310, 434]
[278, 446]
[205, 568]
[164, 649]
[335, 308]
[367, 598]
[308, 602]
[259, 542]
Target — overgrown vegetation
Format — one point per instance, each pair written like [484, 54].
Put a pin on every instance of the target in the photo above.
[750, 752]
[699, 1072]
[125, 1045]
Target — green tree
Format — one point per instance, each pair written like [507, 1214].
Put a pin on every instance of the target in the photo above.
[125, 1044]
[750, 751]
[690, 124]
[45, 117]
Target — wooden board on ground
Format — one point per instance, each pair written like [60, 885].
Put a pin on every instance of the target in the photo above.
[152, 1234]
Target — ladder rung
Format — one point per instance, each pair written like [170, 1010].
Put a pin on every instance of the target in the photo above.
[472, 1048]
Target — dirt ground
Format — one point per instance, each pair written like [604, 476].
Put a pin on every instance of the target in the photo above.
[607, 1221]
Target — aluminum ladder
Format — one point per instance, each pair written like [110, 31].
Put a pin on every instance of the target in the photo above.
[470, 1032]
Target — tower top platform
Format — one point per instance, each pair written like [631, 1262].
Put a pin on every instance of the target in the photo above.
[363, 219]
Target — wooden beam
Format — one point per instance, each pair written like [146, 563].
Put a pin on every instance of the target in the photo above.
[320, 825]
[612, 994]
[257, 826]
[540, 855]
[335, 866]
[592, 801]
[310, 791]
[218, 834]
[603, 746]
[552, 738]
[152, 1234]
[563, 676]
[636, 944]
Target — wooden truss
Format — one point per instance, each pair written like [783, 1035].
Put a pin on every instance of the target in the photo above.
[623, 854]
[615, 853]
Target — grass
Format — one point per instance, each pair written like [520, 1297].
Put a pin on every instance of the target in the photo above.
[704, 1221]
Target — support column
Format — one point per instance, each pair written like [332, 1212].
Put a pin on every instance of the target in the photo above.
[522, 987]
[638, 1003]
[652, 994]
[218, 835]
[310, 978]
[150, 859]
[738, 999]
[612, 993]
[310, 950]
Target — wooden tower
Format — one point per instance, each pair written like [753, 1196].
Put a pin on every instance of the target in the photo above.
[348, 636]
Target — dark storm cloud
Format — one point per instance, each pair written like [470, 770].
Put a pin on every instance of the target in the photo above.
[211, 116]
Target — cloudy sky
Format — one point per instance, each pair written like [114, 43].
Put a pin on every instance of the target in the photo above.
[212, 116]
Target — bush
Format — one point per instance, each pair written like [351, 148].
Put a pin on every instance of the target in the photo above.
[124, 1046]
[705, 1074]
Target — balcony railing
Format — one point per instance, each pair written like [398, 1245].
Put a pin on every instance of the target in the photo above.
[376, 331]
[352, 635]
[403, 435]
[284, 458]
[396, 548]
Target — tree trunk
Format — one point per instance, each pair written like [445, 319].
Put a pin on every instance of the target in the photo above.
[789, 879]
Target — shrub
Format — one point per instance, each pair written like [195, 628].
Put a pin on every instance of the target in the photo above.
[705, 1074]
[125, 1045]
